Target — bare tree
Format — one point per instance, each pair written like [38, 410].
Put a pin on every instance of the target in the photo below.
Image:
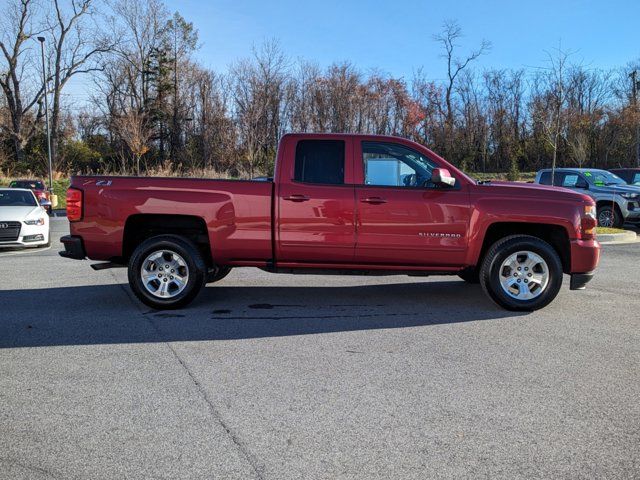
[76, 47]
[553, 120]
[447, 38]
[259, 87]
[133, 129]
[18, 30]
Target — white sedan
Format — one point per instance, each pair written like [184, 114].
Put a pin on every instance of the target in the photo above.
[23, 222]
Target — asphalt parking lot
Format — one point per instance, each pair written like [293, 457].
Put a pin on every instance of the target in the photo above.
[280, 376]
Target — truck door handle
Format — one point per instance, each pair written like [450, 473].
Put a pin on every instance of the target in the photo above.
[296, 198]
[374, 200]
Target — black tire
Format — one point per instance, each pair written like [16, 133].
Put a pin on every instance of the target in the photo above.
[218, 274]
[470, 275]
[196, 269]
[490, 272]
[612, 213]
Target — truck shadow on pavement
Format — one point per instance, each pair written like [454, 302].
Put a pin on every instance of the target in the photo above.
[106, 314]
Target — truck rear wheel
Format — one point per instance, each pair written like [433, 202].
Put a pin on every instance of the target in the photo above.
[166, 272]
[521, 273]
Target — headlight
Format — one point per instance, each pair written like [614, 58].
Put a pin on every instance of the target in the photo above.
[37, 221]
[629, 196]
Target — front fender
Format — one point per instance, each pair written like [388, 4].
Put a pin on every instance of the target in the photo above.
[530, 212]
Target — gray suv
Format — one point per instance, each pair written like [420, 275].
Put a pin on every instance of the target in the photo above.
[616, 201]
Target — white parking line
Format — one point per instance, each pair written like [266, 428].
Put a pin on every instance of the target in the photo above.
[22, 252]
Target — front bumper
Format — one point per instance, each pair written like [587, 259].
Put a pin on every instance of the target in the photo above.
[29, 236]
[585, 255]
[631, 211]
[73, 247]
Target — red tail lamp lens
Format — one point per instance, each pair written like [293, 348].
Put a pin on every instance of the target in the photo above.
[74, 205]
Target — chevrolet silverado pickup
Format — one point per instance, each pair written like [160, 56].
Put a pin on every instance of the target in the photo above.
[337, 204]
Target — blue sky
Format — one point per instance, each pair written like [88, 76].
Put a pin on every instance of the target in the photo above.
[396, 37]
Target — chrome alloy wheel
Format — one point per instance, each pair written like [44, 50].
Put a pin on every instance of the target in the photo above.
[524, 275]
[606, 218]
[164, 274]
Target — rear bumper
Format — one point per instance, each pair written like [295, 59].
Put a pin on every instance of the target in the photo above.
[73, 248]
[579, 280]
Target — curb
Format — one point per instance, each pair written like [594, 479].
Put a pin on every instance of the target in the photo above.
[608, 238]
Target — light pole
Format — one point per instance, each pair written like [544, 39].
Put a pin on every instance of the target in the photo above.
[634, 90]
[46, 117]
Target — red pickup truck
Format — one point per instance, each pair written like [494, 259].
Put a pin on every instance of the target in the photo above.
[338, 204]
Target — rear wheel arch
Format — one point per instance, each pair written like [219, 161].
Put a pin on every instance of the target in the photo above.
[141, 227]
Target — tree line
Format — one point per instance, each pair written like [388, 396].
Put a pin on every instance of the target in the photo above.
[153, 109]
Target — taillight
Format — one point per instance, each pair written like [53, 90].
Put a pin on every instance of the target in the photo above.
[588, 223]
[74, 205]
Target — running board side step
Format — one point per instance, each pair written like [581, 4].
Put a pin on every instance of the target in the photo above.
[106, 265]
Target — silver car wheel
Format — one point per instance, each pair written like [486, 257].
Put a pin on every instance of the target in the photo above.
[524, 275]
[605, 218]
[164, 274]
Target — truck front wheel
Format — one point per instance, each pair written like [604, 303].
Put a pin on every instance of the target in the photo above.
[521, 273]
[166, 272]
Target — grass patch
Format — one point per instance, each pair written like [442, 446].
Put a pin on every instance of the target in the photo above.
[607, 230]
[60, 188]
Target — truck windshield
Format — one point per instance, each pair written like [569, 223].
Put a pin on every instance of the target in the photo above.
[17, 198]
[602, 178]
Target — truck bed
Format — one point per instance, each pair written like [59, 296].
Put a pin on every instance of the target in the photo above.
[237, 212]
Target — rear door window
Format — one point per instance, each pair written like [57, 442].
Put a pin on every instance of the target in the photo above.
[320, 162]
[545, 178]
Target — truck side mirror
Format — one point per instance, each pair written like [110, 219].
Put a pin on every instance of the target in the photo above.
[442, 176]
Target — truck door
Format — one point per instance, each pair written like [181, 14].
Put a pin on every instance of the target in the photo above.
[401, 217]
[315, 201]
